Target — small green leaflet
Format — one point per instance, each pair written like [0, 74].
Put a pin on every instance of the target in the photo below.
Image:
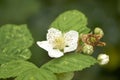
[14, 43]
[69, 63]
[24, 70]
[71, 20]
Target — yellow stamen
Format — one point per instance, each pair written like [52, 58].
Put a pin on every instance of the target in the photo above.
[59, 43]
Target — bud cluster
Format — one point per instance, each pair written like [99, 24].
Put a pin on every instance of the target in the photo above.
[88, 41]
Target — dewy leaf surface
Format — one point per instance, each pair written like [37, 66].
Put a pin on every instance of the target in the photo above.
[71, 20]
[14, 43]
[70, 63]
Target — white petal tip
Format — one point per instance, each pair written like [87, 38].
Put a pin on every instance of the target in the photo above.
[38, 43]
[55, 53]
[44, 44]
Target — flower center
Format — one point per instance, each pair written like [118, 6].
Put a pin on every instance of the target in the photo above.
[59, 43]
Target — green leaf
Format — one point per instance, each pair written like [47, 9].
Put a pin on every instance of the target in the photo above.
[15, 68]
[70, 63]
[37, 74]
[65, 76]
[15, 35]
[24, 70]
[14, 43]
[71, 20]
[16, 55]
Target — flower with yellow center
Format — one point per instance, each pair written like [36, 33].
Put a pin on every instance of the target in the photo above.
[58, 43]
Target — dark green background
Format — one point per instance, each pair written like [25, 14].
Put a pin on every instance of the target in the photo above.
[39, 14]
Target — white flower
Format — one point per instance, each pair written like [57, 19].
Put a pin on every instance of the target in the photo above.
[58, 43]
[103, 59]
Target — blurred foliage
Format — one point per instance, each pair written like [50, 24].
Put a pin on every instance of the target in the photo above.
[38, 14]
[17, 10]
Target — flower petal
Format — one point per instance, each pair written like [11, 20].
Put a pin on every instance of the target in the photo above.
[71, 39]
[55, 53]
[45, 45]
[52, 34]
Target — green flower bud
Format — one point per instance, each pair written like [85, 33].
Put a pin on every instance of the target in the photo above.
[99, 31]
[88, 49]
